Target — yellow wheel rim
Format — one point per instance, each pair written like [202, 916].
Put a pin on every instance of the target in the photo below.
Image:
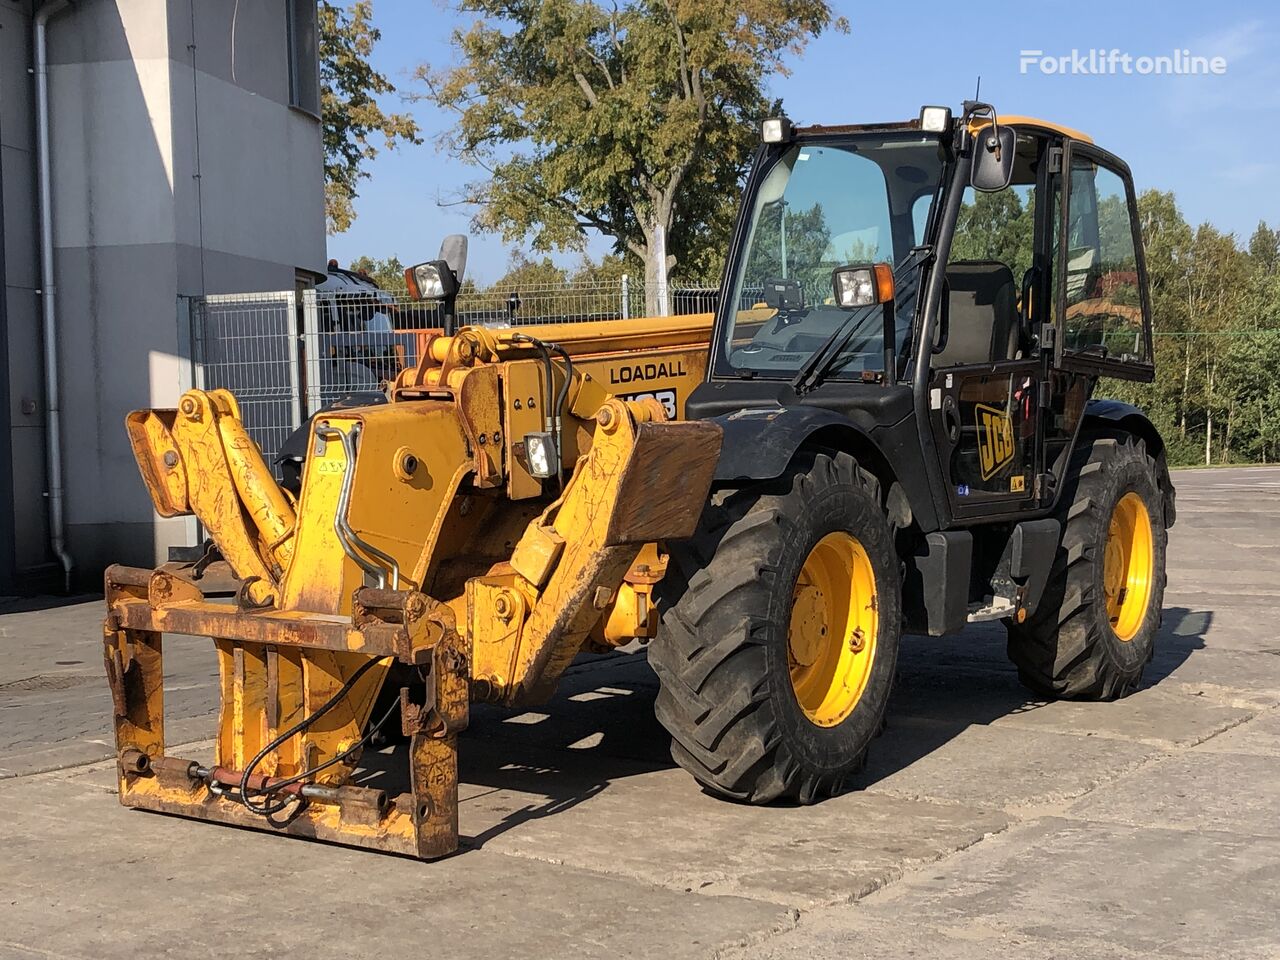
[1128, 566]
[831, 640]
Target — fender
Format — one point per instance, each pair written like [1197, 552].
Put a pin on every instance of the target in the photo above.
[759, 442]
[293, 451]
[1118, 415]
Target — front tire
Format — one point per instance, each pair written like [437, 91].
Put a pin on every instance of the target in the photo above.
[779, 638]
[1094, 630]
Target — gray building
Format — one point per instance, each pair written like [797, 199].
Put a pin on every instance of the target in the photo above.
[184, 158]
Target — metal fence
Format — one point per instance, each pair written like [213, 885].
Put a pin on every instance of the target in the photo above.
[285, 355]
[247, 343]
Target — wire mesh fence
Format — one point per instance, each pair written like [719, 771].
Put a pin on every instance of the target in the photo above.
[286, 355]
[245, 343]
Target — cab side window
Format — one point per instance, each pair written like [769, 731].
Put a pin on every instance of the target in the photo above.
[1104, 310]
[989, 270]
[997, 227]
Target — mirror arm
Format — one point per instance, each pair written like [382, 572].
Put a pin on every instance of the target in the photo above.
[449, 306]
[890, 343]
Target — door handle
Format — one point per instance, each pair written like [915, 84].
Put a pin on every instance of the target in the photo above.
[951, 420]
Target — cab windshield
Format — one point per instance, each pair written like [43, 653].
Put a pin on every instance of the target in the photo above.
[821, 206]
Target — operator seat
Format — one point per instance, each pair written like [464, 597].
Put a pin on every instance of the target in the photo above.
[983, 323]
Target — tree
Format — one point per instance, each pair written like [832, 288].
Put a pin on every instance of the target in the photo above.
[804, 236]
[350, 114]
[996, 226]
[1264, 248]
[634, 119]
[1167, 241]
[387, 272]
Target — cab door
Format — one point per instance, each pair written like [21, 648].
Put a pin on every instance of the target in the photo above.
[987, 372]
[1101, 312]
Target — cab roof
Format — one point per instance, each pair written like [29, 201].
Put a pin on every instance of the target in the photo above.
[1012, 120]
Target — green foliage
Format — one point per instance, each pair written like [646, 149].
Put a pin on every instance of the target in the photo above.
[635, 119]
[996, 226]
[541, 288]
[387, 273]
[807, 238]
[1216, 318]
[350, 114]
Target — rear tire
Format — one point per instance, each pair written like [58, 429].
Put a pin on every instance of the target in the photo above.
[1094, 630]
[735, 668]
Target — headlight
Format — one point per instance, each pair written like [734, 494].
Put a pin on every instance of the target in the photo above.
[540, 454]
[862, 286]
[935, 119]
[433, 280]
[775, 130]
[427, 279]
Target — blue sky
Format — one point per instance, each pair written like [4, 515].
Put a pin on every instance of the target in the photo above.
[1214, 140]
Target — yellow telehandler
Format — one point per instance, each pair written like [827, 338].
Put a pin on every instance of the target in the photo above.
[887, 426]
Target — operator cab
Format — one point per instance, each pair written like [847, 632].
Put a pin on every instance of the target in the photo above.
[1001, 302]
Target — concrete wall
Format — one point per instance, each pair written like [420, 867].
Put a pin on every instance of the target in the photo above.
[179, 169]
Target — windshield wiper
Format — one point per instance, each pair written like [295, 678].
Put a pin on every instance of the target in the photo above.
[813, 369]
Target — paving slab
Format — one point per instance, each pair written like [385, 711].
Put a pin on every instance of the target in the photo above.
[1067, 889]
[55, 707]
[1221, 619]
[1197, 790]
[85, 878]
[996, 766]
[1245, 679]
[659, 827]
[1261, 736]
[1158, 716]
[851, 935]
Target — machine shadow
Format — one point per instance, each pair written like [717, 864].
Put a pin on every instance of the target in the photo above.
[946, 685]
[529, 764]
[526, 764]
[42, 602]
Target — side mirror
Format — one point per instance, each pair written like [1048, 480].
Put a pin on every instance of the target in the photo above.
[994, 149]
[862, 285]
[453, 251]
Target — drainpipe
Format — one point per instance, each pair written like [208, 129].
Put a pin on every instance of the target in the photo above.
[48, 294]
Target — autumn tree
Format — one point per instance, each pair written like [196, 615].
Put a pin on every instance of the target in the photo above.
[351, 118]
[635, 119]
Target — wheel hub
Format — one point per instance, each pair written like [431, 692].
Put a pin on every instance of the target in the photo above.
[1128, 566]
[832, 632]
[808, 616]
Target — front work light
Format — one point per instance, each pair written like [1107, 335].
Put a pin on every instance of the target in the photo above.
[935, 119]
[862, 285]
[540, 454]
[776, 130]
[433, 280]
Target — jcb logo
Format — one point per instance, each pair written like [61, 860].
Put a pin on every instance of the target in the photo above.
[995, 439]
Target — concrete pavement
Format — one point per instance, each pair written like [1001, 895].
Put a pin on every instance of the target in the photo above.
[986, 825]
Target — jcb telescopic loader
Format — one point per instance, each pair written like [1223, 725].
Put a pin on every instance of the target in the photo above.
[887, 426]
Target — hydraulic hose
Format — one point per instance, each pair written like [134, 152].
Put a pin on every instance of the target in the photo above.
[553, 419]
[268, 809]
